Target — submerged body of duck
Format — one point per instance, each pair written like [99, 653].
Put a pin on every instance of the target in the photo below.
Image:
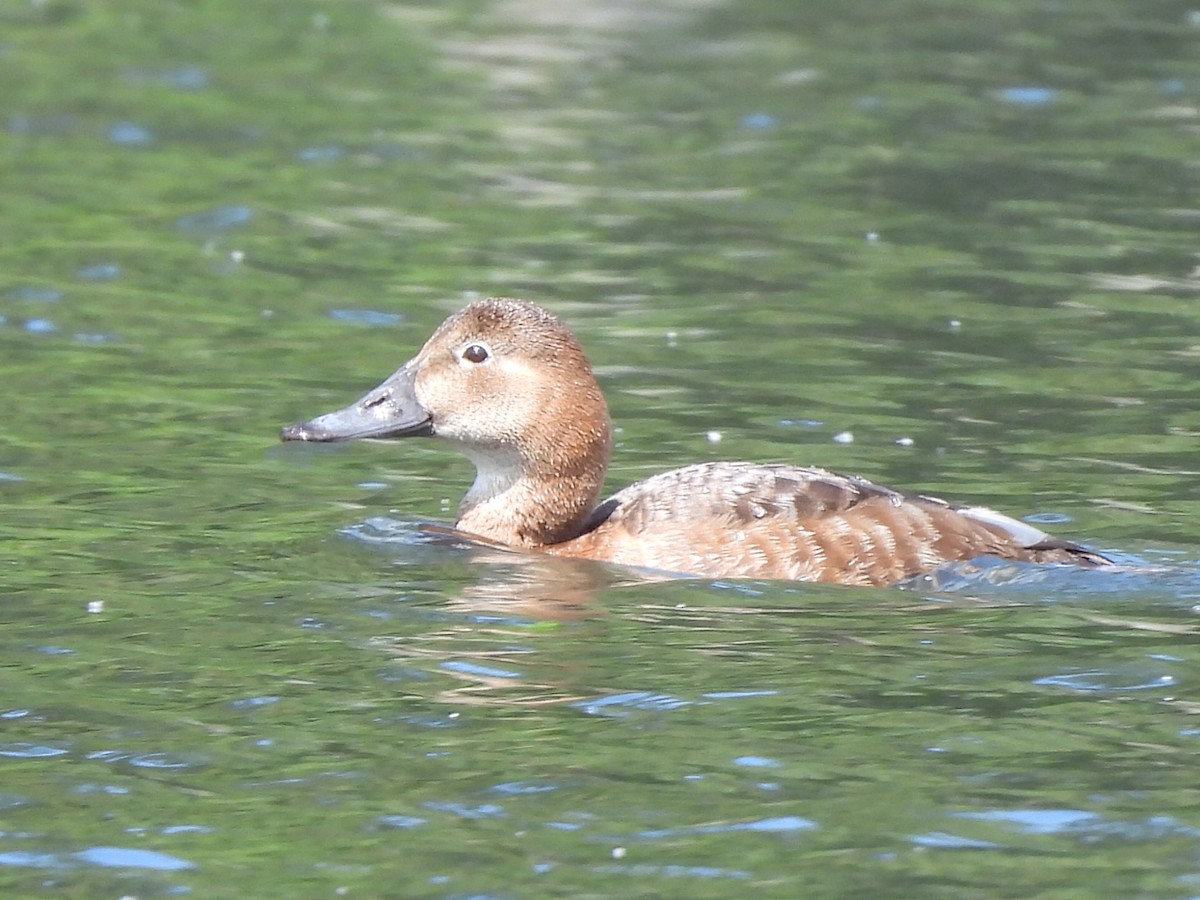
[507, 384]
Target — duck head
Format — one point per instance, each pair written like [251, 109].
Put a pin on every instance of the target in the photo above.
[508, 385]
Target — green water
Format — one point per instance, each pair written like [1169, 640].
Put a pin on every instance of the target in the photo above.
[963, 233]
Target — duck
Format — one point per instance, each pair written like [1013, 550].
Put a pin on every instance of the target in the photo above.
[507, 384]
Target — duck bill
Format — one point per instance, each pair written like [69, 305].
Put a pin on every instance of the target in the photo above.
[389, 411]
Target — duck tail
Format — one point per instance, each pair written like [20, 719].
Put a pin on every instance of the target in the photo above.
[1054, 550]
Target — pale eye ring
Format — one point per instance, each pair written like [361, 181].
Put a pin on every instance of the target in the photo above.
[475, 353]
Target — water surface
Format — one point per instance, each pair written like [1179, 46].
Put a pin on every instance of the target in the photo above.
[949, 247]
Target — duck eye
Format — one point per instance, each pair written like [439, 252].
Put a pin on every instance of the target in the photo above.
[475, 353]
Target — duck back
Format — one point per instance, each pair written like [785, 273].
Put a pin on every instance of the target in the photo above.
[730, 519]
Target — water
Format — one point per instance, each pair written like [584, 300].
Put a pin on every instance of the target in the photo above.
[951, 249]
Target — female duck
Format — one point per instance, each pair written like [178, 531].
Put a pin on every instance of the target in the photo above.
[507, 384]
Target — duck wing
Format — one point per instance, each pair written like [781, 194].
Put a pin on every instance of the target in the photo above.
[730, 520]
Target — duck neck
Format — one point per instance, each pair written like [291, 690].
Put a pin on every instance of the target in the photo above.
[525, 501]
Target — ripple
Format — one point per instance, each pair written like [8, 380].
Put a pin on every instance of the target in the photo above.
[217, 219]
[482, 811]
[945, 841]
[757, 762]
[674, 871]
[325, 153]
[32, 860]
[184, 78]
[94, 337]
[43, 125]
[394, 150]
[253, 702]
[26, 750]
[616, 704]
[449, 720]
[366, 316]
[1036, 821]
[159, 761]
[383, 530]
[1097, 681]
[773, 825]
[517, 788]
[469, 668]
[129, 134]
[100, 789]
[142, 760]
[400, 821]
[98, 272]
[759, 121]
[107, 755]
[1087, 825]
[34, 293]
[129, 858]
[1047, 518]
[1028, 96]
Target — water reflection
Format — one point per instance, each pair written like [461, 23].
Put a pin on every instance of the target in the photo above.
[512, 582]
[516, 582]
